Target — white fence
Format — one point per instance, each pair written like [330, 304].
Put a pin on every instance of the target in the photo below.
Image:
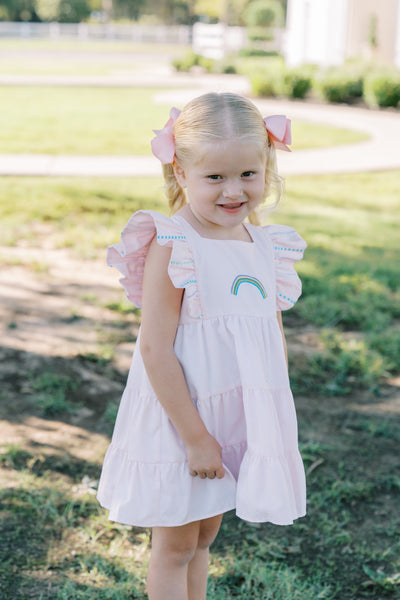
[214, 41]
[180, 34]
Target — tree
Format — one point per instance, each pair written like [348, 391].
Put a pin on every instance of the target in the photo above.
[19, 10]
[130, 9]
[48, 10]
[264, 13]
[73, 11]
[170, 11]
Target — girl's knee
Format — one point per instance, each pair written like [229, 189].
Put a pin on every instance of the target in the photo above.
[208, 532]
[177, 546]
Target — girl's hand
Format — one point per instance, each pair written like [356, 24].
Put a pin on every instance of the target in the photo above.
[204, 458]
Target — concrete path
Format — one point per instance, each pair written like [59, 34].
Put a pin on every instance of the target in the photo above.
[380, 152]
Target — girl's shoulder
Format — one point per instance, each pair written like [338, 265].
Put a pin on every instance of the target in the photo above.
[143, 225]
[286, 247]
[129, 256]
[286, 242]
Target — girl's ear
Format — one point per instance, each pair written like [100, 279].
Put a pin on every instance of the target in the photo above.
[179, 174]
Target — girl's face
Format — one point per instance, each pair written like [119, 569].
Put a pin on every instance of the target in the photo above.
[226, 183]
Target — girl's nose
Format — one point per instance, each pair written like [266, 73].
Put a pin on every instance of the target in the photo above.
[232, 189]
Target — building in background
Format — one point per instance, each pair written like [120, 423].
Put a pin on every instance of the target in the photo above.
[328, 32]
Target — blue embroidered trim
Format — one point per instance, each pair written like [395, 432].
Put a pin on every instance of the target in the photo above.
[171, 237]
[189, 282]
[287, 298]
[288, 249]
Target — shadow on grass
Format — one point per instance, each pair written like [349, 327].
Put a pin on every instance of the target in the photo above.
[56, 542]
[47, 545]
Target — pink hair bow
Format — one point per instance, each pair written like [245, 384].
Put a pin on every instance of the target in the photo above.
[163, 145]
[278, 128]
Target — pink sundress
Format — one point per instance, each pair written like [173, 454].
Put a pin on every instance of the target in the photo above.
[230, 346]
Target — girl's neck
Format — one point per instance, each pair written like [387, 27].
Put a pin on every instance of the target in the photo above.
[239, 232]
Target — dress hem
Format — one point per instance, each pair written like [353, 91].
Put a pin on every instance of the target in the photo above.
[145, 524]
[134, 523]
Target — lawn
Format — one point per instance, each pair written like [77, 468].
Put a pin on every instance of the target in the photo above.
[58, 120]
[98, 120]
[350, 276]
[344, 353]
[113, 48]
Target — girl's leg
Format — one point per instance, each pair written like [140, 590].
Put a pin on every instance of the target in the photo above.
[198, 566]
[172, 549]
[178, 565]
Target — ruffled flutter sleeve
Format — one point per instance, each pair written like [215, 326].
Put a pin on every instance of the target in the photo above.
[288, 247]
[129, 256]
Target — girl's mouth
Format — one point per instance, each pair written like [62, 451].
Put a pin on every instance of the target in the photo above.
[231, 207]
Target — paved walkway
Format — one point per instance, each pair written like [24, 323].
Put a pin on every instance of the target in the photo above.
[380, 152]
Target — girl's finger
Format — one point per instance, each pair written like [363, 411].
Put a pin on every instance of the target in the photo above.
[220, 472]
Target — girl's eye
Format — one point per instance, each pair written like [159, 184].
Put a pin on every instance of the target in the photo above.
[247, 173]
[214, 177]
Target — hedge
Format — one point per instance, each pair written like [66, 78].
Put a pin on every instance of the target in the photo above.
[340, 85]
[347, 85]
[382, 89]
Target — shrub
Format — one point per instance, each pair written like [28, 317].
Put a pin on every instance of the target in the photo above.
[259, 34]
[294, 83]
[263, 13]
[186, 62]
[226, 67]
[253, 51]
[297, 82]
[193, 60]
[382, 89]
[265, 86]
[340, 85]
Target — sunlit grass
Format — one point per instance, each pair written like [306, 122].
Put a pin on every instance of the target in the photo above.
[115, 121]
[308, 135]
[350, 273]
[79, 57]
[82, 214]
[56, 541]
[78, 120]
[73, 45]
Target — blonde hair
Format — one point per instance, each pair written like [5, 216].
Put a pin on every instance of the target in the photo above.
[212, 117]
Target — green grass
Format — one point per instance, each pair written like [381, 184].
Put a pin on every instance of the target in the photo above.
[51, 392]
[56, 533]
[77, 57]
[83, 214]
[307, 135]
[105, 121]
[350, 274]
[55, 541]
[73, 45]
[78, 120]
[30, 65]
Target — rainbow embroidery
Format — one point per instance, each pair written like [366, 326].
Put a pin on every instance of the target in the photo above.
[247, 279]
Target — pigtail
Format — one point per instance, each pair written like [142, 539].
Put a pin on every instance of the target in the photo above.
[273, 181]
[175, 193]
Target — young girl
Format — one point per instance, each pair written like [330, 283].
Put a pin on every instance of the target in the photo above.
[207, 421]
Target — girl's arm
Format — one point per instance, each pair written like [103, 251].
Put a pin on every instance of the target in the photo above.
[161, 303]
[279, 317]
